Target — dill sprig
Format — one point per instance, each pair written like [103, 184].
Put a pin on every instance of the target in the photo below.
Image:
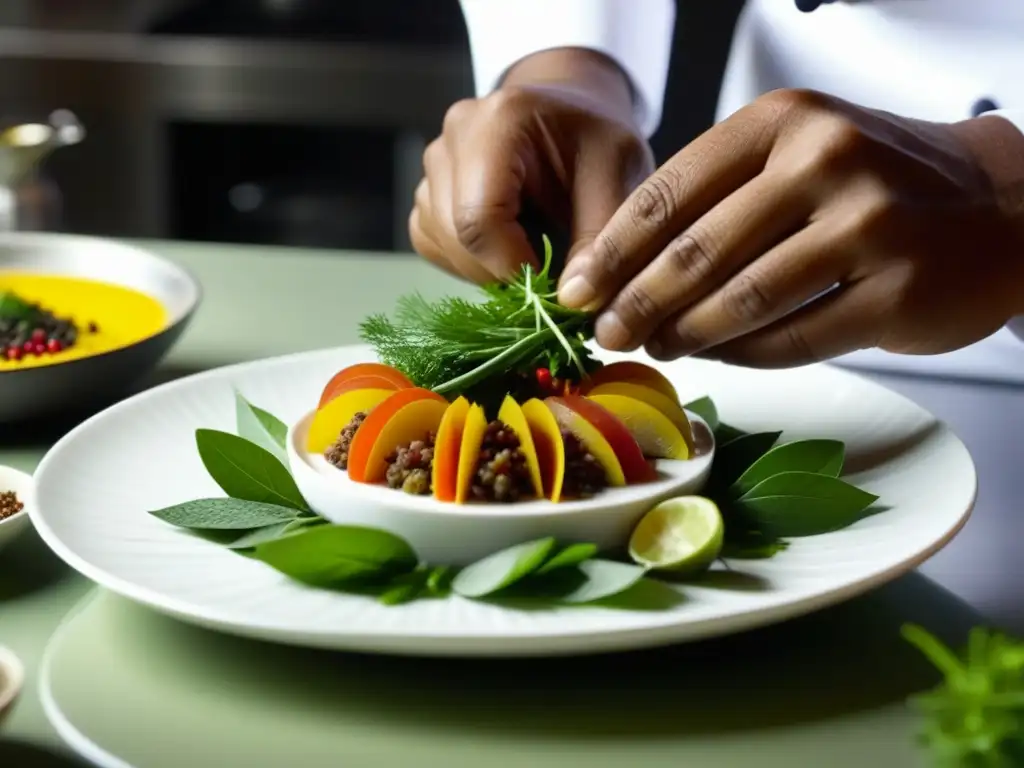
[455, 347]
[976, 716]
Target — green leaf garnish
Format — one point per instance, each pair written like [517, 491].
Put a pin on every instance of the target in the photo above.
[571, 555]
[802, 504]
[455, 347]
[334, 555]
[247, 471]
[735, 457]
[13, 307]
[257, 426]
[975, 717]
[823, 457]
[602, 579]
[502, 569]
[224, 514]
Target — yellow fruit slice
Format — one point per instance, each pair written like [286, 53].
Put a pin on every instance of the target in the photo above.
[511, 414]
[445, 470]
[335, 416]
[547, 440]
[411, 422]
[591, 438]
[657, 437]
[667, 405]
[469, 451]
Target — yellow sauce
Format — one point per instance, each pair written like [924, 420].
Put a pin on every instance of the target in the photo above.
[123, 316]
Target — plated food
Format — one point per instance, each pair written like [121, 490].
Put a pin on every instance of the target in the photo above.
[81, 318]
[48, 319]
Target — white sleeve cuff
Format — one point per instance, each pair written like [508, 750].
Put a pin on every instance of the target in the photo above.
[1015, 116]
[636, 34]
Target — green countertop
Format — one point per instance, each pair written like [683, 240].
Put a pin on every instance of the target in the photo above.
[837, 679]
[257, 302]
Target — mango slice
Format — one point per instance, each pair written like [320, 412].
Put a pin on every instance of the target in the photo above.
[511, 414]
[547, 441]
[359, 370]
[669, 407]
[657, 436]
[469, 451]
[633, 372]
[445, 470]
[335, 416]
[390, 425]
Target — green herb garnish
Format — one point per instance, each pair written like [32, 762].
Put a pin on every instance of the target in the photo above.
[13, 307]
[975, 717]
[457, 347]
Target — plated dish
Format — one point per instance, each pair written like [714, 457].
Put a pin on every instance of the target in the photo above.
[225, 511]
[82, 318]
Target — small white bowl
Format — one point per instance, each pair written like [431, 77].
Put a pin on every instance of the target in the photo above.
[459, 534]
[12, 678]
[22, 484]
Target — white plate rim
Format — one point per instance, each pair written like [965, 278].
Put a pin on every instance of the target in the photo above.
[467, 642]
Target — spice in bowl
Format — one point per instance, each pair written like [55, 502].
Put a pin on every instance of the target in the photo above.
[10, 504]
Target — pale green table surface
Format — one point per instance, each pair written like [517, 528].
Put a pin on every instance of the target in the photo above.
[828, 689]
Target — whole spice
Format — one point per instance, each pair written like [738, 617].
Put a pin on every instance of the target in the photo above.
[501, 472]
[28, 329]
[10, 505]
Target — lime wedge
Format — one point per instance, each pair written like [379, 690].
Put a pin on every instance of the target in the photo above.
[682, 535]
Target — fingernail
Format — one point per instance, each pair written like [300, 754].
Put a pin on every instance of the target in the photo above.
[577, 292]
[655, 349]
[611, 332]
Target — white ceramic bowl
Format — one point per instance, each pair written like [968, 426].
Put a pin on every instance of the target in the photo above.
[22, 484]
[458, 534]
[12, 678]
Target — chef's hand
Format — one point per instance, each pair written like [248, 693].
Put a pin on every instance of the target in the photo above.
[559, 132]
[725, 251]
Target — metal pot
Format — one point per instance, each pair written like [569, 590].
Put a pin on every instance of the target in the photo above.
[28, 200]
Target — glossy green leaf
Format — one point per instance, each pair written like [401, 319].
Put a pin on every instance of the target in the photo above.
[333, 555]
[735, 457]
[502, 569]
[260, 427]
[603, 578]
[571, 555]
[823, 457]
[802, 504]
[224, 514]
[244, 470]
[705, 408]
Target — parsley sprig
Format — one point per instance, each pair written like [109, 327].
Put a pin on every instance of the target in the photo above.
[456, 347]
[975, 717]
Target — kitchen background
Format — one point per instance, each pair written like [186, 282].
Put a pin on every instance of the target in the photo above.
[288, 122]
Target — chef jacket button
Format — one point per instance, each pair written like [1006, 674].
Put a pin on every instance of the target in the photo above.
[981, 106]
[811, 5]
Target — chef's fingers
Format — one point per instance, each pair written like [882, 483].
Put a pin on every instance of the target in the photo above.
[845, 320]
[701, 175]
[606, 171]
[788, 275]
[438, 165]
[422, 241]
[489, 174]
[703, 258]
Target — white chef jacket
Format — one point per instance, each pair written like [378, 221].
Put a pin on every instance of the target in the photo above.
[941, 60]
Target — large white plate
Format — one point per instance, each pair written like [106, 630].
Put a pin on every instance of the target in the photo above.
[96, 484]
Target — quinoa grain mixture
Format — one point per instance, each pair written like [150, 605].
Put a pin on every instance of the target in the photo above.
[10, 505]
[409, 466]
[337, 454]
[501, 473]
[583, 475]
